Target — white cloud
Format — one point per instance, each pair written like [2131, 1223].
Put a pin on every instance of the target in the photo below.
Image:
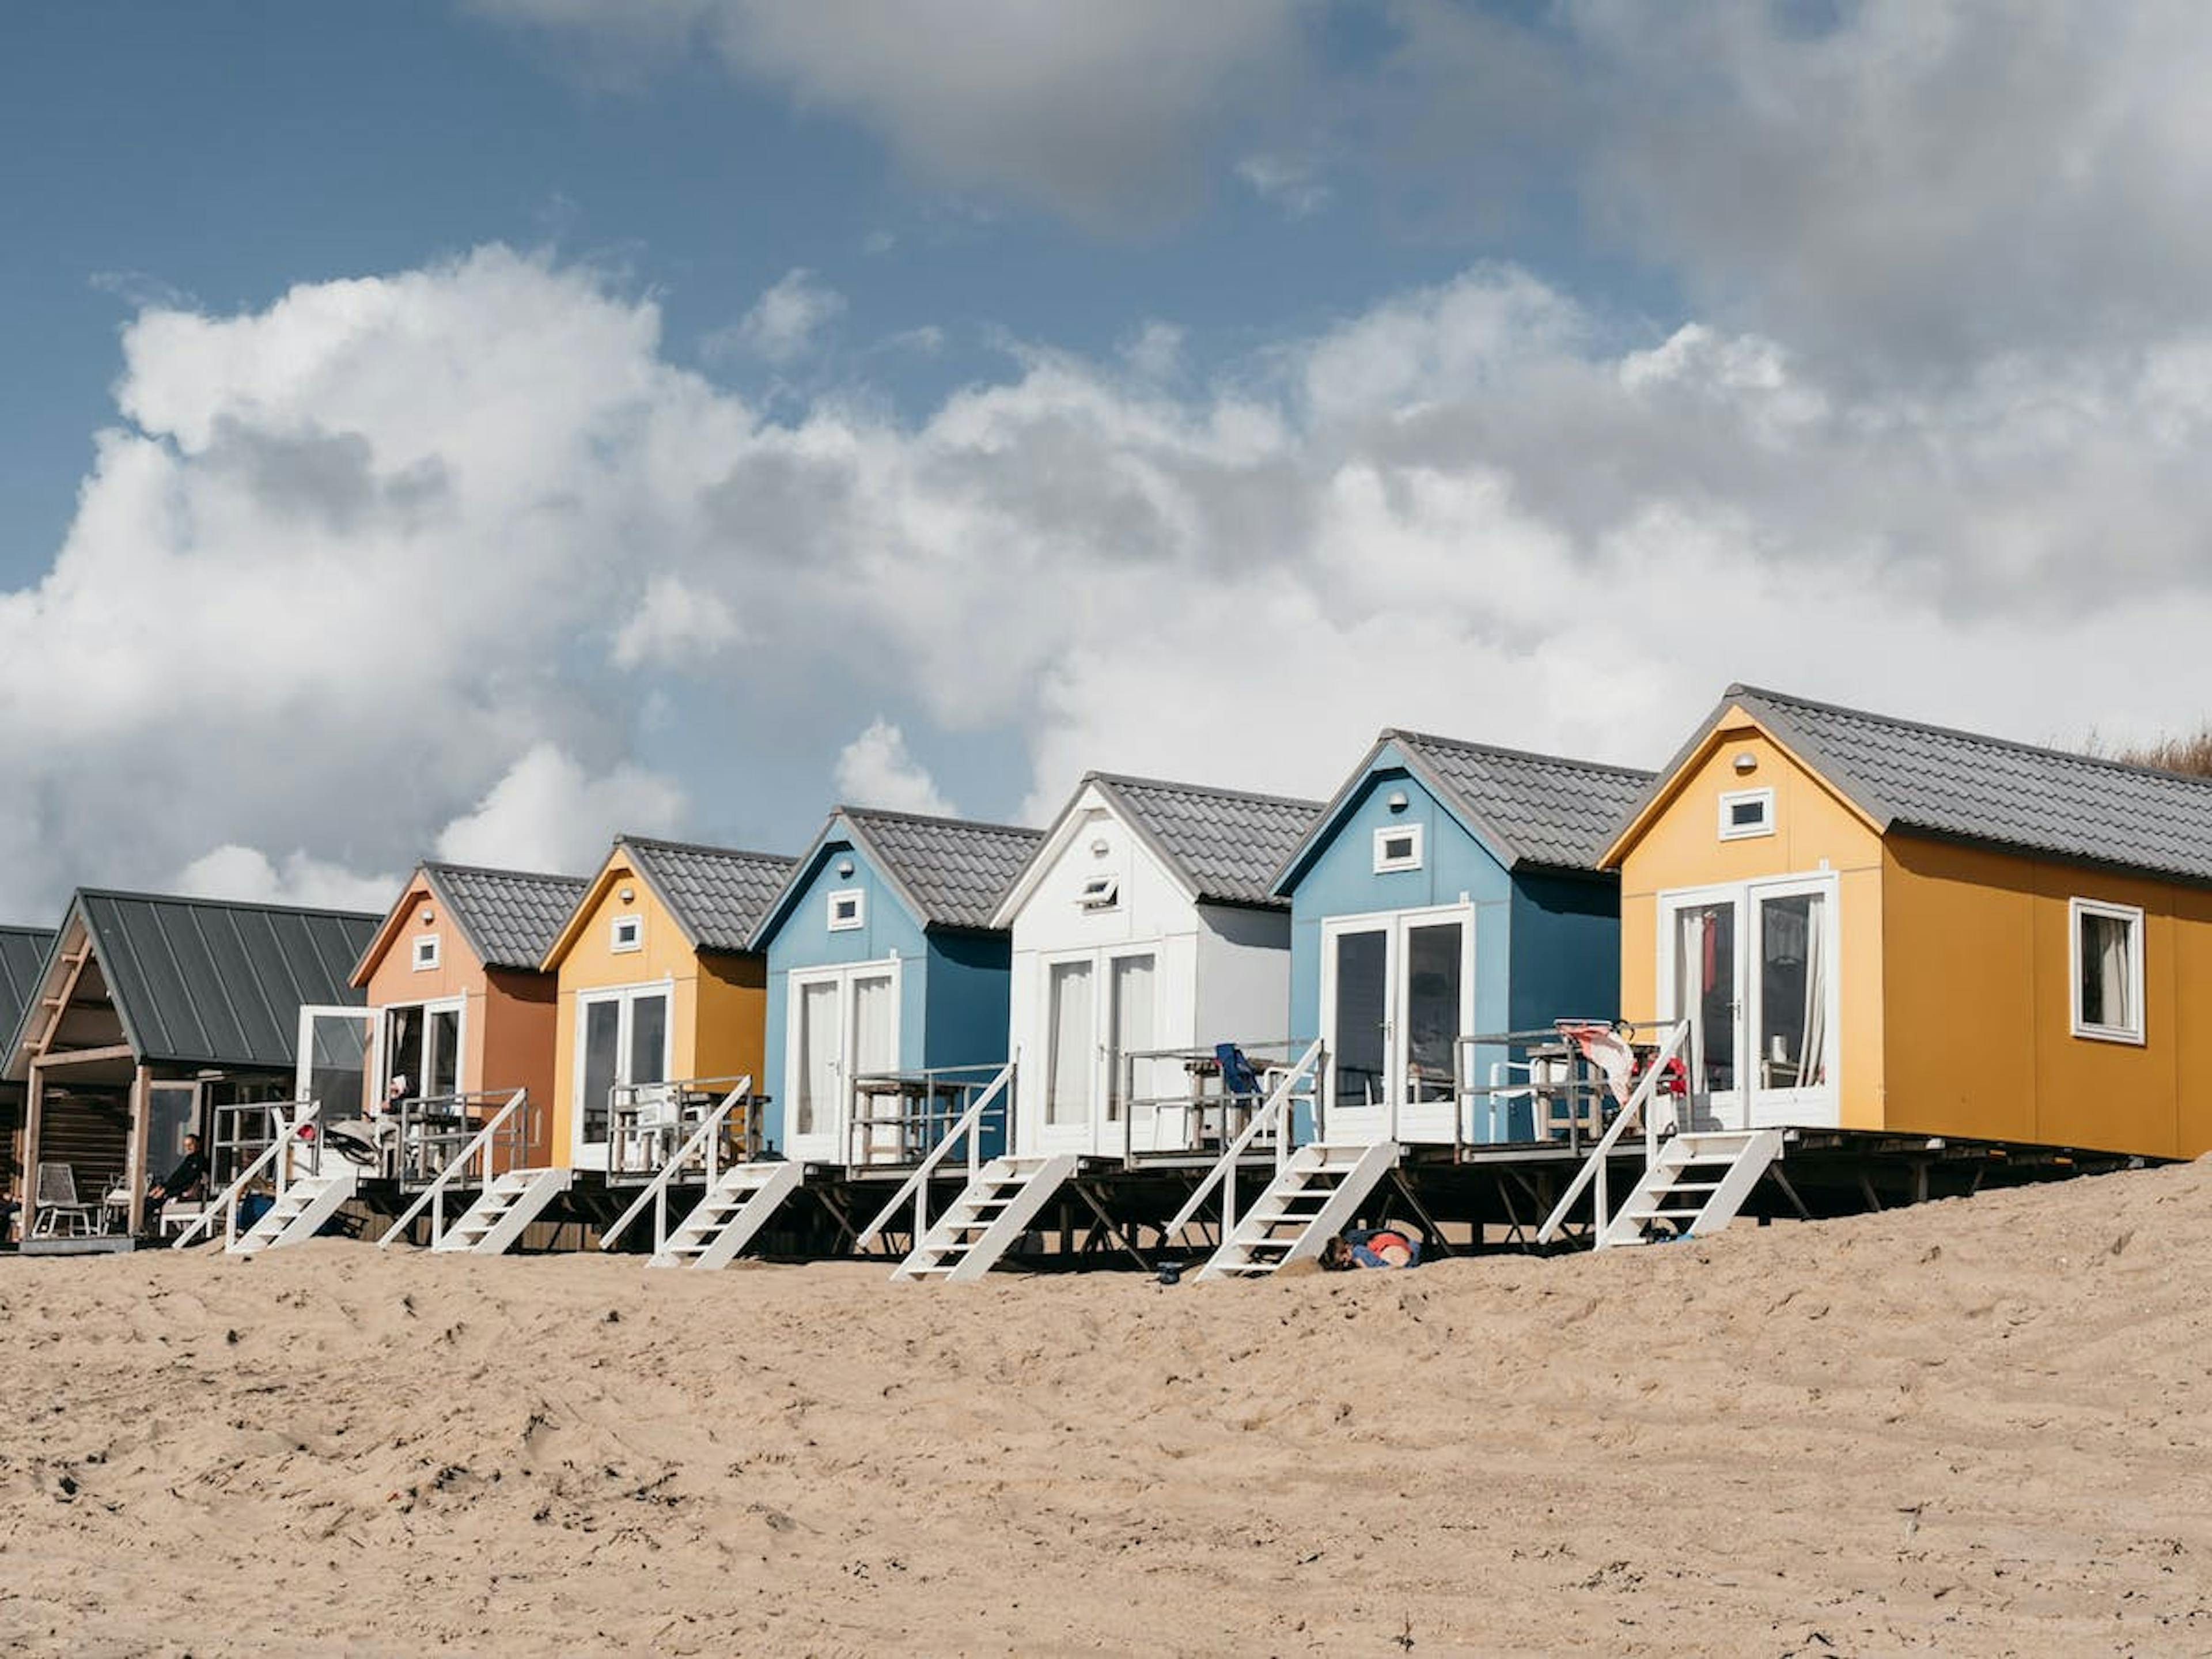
[1292, 185]
[548, 813]
[783, 324]
[232, 872]
[404, 562]
[675, 624]
[1090, 110]
[876, 769]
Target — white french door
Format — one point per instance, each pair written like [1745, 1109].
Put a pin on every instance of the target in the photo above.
[420, 1050]
[842, 1024]
[336, 1060]
[1099, 1008]
[624, 1036]
[1751, 966]
[1397, 992]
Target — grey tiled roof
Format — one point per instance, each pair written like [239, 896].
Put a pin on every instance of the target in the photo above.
[718, 895]
[509, 917]
[952, 871]
[1906, 775]
[1228, 845]
[1533, 809]
[206, 982]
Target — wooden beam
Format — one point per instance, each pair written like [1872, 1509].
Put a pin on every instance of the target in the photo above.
[142, 1131]
[33, 1120]
[76, 965]
[87, 1057]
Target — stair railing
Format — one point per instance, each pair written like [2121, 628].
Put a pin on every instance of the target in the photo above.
[1224, 1172]
[705, 1141]
[968, 1127]
[1595, 1167]
[432, 1197]
[226, 1205]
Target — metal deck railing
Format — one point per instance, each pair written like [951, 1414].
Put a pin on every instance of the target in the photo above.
[648, 1122]
[1205, 1114]
[899, 1118]
[423, 1137]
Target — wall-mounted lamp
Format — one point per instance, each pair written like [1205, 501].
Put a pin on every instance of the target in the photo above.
[626, 894]
[844, 868]
[429, 916]
[1746, 762]
[1100, 847]
[1397, 803]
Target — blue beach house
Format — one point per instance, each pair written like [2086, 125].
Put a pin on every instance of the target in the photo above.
[887, 984]
[1450, 890]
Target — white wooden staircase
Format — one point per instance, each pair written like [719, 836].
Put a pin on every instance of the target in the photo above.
[1695, 1184]
[1315, 1198]
[299, 1211]
[508, 1203]
[736, 1204]
[994, 1210]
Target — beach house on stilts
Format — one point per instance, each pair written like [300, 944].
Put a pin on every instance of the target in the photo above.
[1881, 935]
[154, 1018]
[459, 1033]
[657, 1031]
[1446, 907]
[886, 1037]
[1150, 986]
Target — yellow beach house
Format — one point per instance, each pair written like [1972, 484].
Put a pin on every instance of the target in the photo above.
[1875, 925]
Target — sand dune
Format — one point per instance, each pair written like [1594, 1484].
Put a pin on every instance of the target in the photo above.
[1976, 1426]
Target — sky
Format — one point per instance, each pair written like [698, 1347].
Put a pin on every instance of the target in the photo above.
[472, 428]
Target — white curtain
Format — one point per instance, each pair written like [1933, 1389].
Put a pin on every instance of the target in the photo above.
[1067, 1075]
[817, 1055]
[2106, 952]
[1813, 1061]
[1132, 1032]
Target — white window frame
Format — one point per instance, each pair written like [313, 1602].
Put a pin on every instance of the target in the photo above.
[2076, 908]
[616, 943]
[420, 960]
[1731, 799]
[1099, 893]
[857, 919]
[1384, 833]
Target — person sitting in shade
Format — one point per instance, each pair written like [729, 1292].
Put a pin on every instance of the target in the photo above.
[1369, 1247]
[180, 1185]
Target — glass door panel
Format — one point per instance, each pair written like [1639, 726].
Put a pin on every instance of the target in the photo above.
[1793, 992]
[875, 1051]
[1705, 992]
[335, 1055]
[1435, 955]
[1072, 1055]
[601, 1068]
[1358, 1019]
[441, 1058]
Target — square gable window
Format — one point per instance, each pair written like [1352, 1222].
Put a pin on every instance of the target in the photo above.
[1397, 847]
[1099, 892]
[847, 911]
[628, 934]
[1746, 813]
[2107, 950]
[426, 952]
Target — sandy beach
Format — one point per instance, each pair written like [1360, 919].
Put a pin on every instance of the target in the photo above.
[1977, 1426]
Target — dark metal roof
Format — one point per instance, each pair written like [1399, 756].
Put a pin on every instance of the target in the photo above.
[948, 873]
[1225, 844]
[1965, 787]
[719, 896]
[509, 917]
[23, 953]
[206, 982]
[1544, 811]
